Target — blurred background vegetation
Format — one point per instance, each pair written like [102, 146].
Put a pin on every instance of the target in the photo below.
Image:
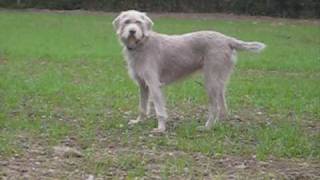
[279, 8]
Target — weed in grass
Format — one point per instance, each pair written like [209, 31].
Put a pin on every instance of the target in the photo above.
[285, 139]
[133, 164]
[177, 165]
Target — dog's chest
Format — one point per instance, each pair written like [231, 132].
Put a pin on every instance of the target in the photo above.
[136, 66]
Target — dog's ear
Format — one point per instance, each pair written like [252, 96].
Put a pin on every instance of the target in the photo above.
[148, 24]
[116, 22]
[148, 21]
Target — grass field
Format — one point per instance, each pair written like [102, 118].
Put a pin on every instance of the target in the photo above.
[63, 82]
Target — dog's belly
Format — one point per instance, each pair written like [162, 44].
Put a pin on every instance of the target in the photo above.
[172, 76]
[178, 69]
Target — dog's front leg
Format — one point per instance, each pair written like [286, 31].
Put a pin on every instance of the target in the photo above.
[150, 108]
[144, 94]
[159, 105]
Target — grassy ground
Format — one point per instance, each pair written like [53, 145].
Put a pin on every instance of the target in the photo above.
[63, 82]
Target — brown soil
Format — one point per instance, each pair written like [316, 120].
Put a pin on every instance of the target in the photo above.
[39, 162]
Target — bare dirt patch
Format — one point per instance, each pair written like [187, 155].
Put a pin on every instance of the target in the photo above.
[3, 61]
[40, 162]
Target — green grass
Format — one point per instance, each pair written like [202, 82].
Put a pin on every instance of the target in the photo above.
[63, 75]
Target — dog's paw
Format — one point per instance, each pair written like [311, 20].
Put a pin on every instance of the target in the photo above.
[158, 130]
[139, 119]
[134, 121]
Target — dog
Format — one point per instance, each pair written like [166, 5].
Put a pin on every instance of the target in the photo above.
[155, 60]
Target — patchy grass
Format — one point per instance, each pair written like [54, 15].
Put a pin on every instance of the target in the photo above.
[63, 81]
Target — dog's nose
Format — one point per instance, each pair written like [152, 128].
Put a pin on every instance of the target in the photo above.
[132, 31]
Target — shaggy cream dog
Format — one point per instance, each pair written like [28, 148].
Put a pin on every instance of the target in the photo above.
[155, 60]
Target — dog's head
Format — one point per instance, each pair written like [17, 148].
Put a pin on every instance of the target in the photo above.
[132, 27]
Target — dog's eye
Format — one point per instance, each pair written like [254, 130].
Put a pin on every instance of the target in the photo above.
[138, 22]
[127, 21]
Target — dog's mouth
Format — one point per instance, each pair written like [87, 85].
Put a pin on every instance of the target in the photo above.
[132, 42]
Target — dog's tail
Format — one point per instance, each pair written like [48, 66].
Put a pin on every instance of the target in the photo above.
[248, 46]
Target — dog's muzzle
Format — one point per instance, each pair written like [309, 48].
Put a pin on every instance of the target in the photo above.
[132, 42]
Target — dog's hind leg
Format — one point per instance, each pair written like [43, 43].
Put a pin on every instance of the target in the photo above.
[216, 75]
[212, 87]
